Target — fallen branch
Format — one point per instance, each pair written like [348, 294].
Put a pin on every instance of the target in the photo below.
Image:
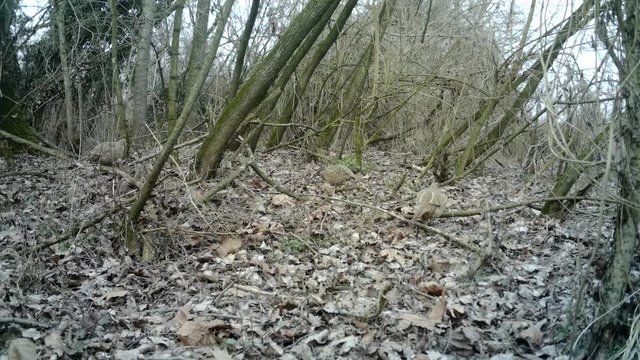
[83, 225]
[225, 182]
[269, 180]
[34, 145]
[123, 174]
[424, 227]
[28, 173]
[21, 321]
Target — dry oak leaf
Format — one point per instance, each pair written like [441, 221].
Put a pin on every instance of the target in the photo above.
[229, 245]
[407, 320]
[431, 288]
[200, 332]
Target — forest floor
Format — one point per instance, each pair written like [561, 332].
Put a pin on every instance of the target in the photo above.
[255, 274]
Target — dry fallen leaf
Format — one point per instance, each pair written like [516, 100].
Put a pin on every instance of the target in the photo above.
[431, 288]
[22, 349]
[282, 200]
[116, 292]
[200, 332]
[532, 335]
[438, 311]
[407, 320]
[229, 245]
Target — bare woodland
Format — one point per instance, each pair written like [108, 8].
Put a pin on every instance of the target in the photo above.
[319, 179]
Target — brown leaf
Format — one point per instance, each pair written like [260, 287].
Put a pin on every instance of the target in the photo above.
[229, 245]
[532, 335]
[438, 311]
[116, 292]
[407, 320]
[431, 288]
[22, 349]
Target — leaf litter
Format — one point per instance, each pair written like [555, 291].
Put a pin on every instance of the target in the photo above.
[256, 274]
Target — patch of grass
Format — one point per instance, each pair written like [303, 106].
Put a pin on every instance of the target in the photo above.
[293, 246]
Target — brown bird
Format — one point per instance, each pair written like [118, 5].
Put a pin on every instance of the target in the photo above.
[337, 175]
[430, 203]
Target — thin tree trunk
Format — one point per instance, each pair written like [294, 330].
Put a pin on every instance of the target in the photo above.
[357, 82]
[266, 107]
[576, 22]
[243, 44]
[199, 41]
[66, 72]
[193, 95]
[123, 127]
[626, 232]
[321, 50]
[255, 89]
[174, 52]
[141, 76]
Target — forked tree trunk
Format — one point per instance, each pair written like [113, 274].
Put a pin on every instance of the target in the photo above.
[321, 50]
[266, 107]
[255, 89]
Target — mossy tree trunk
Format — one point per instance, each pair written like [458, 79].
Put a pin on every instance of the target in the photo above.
[174, 52]
[267, 107]
[291, 102]
[123, 126]
[255, 89]
[243, 44]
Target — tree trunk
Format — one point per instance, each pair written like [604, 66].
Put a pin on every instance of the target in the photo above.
[266, 107]
[123, 127]
[61, 7]
[254, 90]
[243, 44]
[576, 22]
[199, 41]
[321, 50]
[625, 237]
[174, 52]
[141, 76]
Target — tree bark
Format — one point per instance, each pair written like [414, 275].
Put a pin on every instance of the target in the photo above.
[174, 52]
[243, 44]
[123, 127]
[625, 237]
[141, 76]
[199, 41]
[61, 7]
[255, 89]
[321, 50]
